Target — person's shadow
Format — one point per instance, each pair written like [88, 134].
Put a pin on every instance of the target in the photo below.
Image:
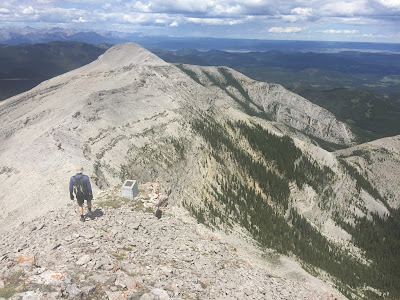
[97, 213]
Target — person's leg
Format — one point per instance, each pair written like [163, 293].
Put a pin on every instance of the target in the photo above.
[80, 208]
[89, 205]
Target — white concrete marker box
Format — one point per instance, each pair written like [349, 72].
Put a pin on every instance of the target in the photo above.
[130, 189]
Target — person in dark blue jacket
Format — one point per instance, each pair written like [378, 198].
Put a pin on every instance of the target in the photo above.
[79, 185]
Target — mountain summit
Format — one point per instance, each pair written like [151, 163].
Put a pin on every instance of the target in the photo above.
[128, 54]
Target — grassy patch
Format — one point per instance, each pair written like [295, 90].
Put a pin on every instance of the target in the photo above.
[109, 203]
[15, 284]
[137, 205]
[272, 257]
[119, 256]
[8, 292]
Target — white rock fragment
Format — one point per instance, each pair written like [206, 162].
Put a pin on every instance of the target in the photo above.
[83, 260]
[163, 295]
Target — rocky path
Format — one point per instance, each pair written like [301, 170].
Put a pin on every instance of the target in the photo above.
[122, 253]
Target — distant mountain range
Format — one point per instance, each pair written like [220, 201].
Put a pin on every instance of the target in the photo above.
[15, 36]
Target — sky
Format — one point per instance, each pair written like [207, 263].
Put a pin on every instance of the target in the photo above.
[326, 20]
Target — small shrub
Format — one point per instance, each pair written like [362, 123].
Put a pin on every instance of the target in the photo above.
[119, 256]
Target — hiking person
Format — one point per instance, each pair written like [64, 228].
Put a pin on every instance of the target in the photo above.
[79, 185]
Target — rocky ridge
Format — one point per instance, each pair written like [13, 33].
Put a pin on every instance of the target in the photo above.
[281, 105]
[123, 251]
[128, 110]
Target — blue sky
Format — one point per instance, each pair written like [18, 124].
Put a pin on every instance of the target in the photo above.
[328, 20]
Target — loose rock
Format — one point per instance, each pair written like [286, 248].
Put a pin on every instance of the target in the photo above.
[129, 254]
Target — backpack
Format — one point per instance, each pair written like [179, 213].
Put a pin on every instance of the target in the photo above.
[79, 188]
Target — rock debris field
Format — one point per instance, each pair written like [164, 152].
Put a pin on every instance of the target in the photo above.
[125, 253]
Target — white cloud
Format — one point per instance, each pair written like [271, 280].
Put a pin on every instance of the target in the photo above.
[300, 14]
[141, 7]
[133, 18]
[80, 20]
[285, 29]
[4, 11]
[227, 9]
[184, 15]
[343, 8]
[340, 31]
[29, 11]
[390, 3]
[208, 21]
[303, 11]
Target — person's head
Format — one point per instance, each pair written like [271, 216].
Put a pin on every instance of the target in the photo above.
[79, 169]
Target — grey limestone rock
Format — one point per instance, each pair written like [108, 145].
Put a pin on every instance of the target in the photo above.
[55, 246]
[99, 278]
[29, 295]
[88, 290]
[87, 234]
[84, 260]
[110, 280]
[147, 296]
[168, 260]
[72, 291]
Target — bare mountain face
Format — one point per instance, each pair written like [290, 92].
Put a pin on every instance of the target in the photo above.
[240, 155]
[378, 161]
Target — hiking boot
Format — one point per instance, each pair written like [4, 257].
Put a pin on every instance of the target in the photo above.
[82, 218]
